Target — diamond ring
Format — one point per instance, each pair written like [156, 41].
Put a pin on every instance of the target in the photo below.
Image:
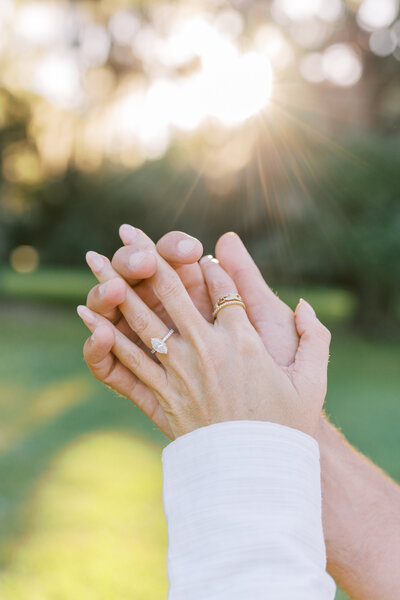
[159, 344]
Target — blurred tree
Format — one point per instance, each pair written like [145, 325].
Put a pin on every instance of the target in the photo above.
[348, 233]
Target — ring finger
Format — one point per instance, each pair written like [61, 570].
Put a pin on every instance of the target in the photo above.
[139, 317]
[130, 355]
[220, 284]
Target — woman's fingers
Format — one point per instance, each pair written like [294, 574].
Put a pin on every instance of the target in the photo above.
[181, 251]
[219, 285]
[145, 266]
[138, 316]
[271, 317]
[130, 355]
[166, 283]
[109, 370]
[311, 363]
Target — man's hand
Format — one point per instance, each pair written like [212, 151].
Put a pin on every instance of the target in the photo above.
[361, 514]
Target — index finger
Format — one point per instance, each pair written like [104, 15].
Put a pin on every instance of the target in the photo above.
[166, 283]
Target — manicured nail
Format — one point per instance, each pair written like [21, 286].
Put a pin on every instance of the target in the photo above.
[187, 245]
[127, 233]
[307, 306]
[206, 259]
[95, 261]
[136, 259]
[86, 315]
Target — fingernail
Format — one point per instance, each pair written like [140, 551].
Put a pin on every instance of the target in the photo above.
[206, 258]
[93, 336]
[187, 245]
[136, 259]
[103, 288]
[307, 306]
[127, 233]
[95, 261]
[86, 315]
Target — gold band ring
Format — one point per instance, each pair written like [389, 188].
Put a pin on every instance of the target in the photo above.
[228, 300]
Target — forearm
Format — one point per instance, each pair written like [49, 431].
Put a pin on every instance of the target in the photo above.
[361, 518]
[243, 505]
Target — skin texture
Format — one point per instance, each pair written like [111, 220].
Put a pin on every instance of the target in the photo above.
[361, 505]
[195, 385]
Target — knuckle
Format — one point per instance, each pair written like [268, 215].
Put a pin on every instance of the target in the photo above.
[118, 262]
[214, 287]
[134, 359]
[203, 349]
[244, 340]
[169, 288]
[140, 321]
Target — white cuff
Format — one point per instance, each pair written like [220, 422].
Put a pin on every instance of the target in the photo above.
[243, 505]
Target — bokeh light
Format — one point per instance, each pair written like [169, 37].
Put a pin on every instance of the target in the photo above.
[40, 23]
[376, 14]
[383, 42]
[326, 10]
[24, 259]
[342, 65]
[271, 42]
[312, 68]
[56, 77]
[130, 81]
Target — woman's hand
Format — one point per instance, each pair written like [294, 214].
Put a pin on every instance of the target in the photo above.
[182, 252]
[219, 372]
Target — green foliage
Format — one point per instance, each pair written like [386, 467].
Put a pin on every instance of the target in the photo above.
[55, 285]
[348, 232]
[309, 212]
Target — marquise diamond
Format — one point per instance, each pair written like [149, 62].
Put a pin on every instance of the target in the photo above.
[159, 346]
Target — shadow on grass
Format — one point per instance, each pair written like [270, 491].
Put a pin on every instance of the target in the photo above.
[48, 401]
[26, 462]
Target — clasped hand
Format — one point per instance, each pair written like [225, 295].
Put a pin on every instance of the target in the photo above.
[213, 371]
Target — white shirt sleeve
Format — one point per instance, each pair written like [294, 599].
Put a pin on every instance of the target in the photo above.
[243, 506]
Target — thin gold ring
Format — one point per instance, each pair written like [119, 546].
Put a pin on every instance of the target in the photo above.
[228, 300]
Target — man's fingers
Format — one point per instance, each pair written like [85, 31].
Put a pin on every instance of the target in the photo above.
[97, 349]
[142, 264]
[183, 252]
[105, 298]
[179, 248]
[165, 282]
[312, 357]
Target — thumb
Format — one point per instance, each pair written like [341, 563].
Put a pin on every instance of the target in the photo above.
[179, 248]
[312, 356]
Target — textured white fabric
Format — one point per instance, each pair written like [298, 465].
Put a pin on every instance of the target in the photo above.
[243, 505]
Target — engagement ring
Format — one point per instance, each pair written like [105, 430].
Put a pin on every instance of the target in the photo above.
[159, 344]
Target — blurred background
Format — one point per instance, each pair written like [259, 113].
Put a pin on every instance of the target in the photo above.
[277, 119]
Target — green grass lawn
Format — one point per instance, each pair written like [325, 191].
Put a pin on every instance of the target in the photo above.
[80, 477]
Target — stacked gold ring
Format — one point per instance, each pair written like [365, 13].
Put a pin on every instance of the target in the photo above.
[228, 300]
